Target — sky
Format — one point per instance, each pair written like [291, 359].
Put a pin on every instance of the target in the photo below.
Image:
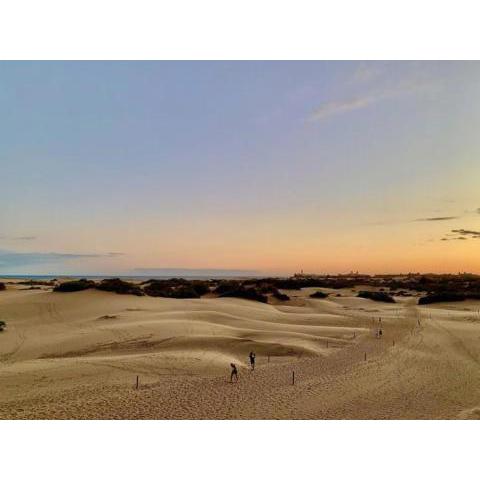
[245, 167]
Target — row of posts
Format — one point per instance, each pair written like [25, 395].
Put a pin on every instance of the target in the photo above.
[293, 372]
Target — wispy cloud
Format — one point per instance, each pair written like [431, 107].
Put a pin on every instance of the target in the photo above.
[444, 239]
[329, 109]
[18, 259]
[426, 219]
[335, 108]
[22, 238]
[462, 231]
[435, 219]
[461, 234]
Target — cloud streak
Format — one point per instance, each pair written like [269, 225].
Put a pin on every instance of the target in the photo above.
[461, 234]
[435, 219]
[22, 238]
[329, 109]
[462, 231]
[10, 259]
[336, 108]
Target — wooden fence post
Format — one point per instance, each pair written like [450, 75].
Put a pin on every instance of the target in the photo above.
[293, 378]
[137, 382]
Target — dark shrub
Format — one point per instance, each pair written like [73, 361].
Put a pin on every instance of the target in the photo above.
[157, 288]
[119, 286]
[184, 291]
[2, 325]
[2, 286]
[442, 297]
[74, 286]
[319, 295]
[247, 294]
[200, 287]
[265, 288]
[377, 296]
[281, 296]
[226, 286]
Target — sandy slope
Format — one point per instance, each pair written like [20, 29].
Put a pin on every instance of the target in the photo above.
[77, 355]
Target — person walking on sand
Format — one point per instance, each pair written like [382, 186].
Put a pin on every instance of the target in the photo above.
[234, 373]
[251, 356]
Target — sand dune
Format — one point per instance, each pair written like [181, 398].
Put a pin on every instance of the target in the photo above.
[77, 355]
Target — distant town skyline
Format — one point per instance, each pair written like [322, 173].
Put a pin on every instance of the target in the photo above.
[269, 167]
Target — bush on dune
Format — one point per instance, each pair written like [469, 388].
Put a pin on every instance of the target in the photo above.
[119, 286]
[227, 286]
[184, 291]
[235, 288]
[2, 286]
[2, 325]
[168, 289]
[247, 294]
[157, 288]
[441, 297]
[377, 296]
[319, 294]
[74, 285]
[201, 287]
[280, 296]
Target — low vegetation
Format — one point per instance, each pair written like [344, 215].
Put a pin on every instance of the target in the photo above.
[248, 290]
[247, 294]
[377, 296]
[74, 285]
[157, 288]
[3, 325]
[119, 286]
[226, 286]
[448, 297]
[432, 287]
[176, 288]
[280, 296]
[319, 294]
[2, 286]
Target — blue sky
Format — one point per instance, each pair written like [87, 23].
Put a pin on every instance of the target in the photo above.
[107, 167]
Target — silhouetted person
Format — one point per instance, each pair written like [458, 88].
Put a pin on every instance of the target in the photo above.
[251, 356]
[234, 373]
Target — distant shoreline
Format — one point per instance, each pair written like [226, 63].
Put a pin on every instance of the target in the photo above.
[133, 277]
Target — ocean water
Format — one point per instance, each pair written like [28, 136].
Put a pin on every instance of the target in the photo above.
[128, 277]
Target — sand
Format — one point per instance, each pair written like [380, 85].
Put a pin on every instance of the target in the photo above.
[77, 356]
